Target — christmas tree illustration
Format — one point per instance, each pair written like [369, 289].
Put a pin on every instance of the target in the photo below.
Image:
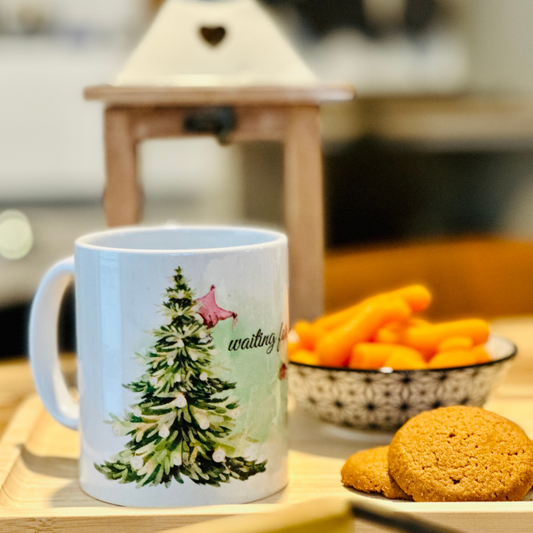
[183, 421]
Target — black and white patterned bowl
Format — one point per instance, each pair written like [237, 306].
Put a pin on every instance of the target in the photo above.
[384, 400]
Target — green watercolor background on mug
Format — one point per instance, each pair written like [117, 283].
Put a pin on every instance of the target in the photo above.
[261, 393]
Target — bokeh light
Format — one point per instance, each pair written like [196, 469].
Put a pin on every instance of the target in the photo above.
[16, 235]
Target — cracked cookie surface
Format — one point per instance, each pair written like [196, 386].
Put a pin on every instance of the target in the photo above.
[461, 454]
[368, 471]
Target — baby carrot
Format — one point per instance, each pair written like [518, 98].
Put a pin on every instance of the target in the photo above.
[293, 343]
[481, 354]
[417, 296]
[293, 347]
[388, 334]
[404, 358]
[427, 338]
[455, 343]
[392, 332]
[373, 355]
[370, 355]
[308, 334]
[334, 320]
[334, 348]
[452, 358]
[414, 321]
[306, 357]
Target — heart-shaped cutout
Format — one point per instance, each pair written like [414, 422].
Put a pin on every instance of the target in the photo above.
[213, 35]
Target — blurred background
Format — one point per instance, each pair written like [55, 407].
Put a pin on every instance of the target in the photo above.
[428, 173]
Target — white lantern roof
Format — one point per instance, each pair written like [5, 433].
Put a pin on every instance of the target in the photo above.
[223, 43]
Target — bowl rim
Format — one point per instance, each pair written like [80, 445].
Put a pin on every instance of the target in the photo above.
[380, 371]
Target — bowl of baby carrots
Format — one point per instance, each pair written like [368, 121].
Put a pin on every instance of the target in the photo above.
[377, 363]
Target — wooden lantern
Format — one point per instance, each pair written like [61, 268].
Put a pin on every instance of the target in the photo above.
[223, 68]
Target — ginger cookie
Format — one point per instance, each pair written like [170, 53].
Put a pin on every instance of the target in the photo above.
[368, 471]
[461, 454]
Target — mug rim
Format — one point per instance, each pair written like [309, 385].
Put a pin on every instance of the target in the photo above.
[277, 238]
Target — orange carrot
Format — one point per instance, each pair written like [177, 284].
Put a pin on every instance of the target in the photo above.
[334, 320]
[392, 332]
[428, 338]
[455, 343]
[334, 348]
[308, 334]
[415, 321]
[293, 342]
[370, 355]
[293, 347]
[404, 358]
[306, 357]
[374, 355]
[481, 354]
[388, 334]
[452, 358]
[416, 296]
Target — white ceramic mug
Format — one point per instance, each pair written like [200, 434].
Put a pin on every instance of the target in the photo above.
[181, 335]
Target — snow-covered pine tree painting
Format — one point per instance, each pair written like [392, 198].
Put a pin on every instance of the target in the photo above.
[183, 420]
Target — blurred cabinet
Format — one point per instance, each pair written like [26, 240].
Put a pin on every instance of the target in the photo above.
[460, 122]
[487, 277]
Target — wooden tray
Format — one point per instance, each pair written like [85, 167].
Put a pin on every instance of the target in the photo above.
[39, 491]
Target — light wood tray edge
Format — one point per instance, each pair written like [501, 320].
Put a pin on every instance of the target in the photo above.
[480, 517]
[18, 431]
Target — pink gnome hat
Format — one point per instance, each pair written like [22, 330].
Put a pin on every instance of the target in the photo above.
[211, 312]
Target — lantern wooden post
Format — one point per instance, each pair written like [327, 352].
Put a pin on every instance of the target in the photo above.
[122, 195]
[304, 211]
[287, 115]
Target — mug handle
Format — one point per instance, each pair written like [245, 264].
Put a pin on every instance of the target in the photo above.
[44, 356]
